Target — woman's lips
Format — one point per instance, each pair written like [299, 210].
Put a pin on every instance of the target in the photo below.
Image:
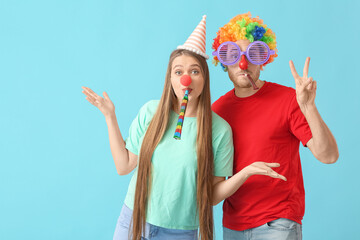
[184, 90]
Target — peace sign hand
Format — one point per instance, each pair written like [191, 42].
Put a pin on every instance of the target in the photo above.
[105, 105]
[305, 86]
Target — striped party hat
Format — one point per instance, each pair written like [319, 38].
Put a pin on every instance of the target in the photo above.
[197, 40]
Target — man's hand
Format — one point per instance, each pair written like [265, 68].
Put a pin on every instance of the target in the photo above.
[305, 86]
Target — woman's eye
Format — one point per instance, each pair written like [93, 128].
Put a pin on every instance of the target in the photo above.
[195, 72]
[177, 72]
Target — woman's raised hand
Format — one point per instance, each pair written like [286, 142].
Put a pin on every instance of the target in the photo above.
[104, 104]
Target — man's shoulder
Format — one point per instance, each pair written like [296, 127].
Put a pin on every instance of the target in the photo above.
[280, 89]
[223, 99]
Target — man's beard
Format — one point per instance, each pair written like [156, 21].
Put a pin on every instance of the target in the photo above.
[243, 81]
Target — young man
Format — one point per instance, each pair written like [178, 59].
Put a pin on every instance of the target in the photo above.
[268, 122]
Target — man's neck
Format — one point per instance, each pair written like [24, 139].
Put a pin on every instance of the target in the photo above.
[247, 92]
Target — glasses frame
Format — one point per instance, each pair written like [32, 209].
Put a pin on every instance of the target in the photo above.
[246, 53]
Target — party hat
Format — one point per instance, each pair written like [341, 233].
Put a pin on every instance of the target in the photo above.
[197, 40]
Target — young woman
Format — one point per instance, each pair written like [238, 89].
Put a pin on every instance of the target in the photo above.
[170, 193]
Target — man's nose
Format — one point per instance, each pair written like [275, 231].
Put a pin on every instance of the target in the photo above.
[243, 64]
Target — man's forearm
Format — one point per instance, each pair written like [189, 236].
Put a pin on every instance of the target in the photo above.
[323, 144]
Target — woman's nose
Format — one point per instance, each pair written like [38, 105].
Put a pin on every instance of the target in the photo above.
[243, 64]
[185, 80]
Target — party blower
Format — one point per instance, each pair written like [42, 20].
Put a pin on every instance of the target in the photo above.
[185, 81]
[256, 53]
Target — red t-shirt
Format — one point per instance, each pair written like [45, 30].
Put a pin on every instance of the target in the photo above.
[267, 126]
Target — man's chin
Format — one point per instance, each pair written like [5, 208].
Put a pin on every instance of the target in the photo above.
[242, 83]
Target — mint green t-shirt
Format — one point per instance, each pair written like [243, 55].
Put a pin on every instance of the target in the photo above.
[172, 202]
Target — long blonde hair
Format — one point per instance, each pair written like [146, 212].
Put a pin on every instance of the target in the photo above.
[205, 163]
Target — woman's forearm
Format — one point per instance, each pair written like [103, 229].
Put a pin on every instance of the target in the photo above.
[117, 145]
[225, 189]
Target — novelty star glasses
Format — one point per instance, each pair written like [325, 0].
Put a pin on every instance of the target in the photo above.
[257, 53]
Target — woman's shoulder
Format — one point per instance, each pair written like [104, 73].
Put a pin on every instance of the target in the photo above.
[149, 108]
[222, 137]
[219, 125]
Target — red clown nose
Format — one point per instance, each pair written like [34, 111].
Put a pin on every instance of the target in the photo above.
[185, 80]
[243, 64]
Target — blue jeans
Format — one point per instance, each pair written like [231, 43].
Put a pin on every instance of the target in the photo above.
[123, 228]
[279, 229]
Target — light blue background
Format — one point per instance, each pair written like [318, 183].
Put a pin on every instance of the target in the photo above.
[57, 176]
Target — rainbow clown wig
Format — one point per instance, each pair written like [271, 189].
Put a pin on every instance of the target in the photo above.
[243, 27]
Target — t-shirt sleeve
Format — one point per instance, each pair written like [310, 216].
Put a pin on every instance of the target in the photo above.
[137, 131]
[224, 154]
[297, 122]
[215, 107]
